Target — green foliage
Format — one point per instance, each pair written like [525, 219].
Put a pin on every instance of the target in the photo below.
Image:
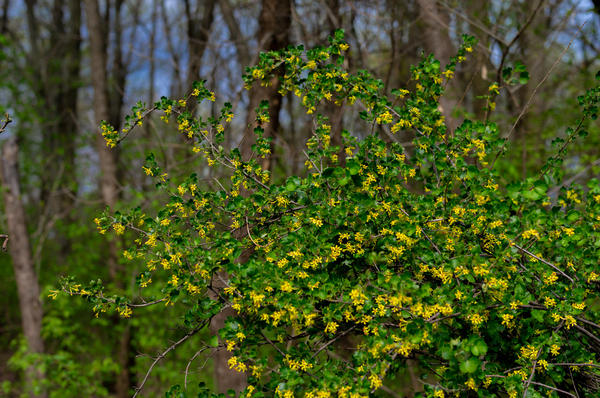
[341, 275]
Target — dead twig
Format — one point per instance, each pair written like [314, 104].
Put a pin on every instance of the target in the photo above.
[163, 354]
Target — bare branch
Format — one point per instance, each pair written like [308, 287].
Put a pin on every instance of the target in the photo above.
[163, 354]
[554, 267]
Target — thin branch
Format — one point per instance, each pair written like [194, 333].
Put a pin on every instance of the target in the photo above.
[536, 89]
[5, 123]
[163, 354]
[332, 341]
[248, 229]
[187, 368]
[552, 388]
[593, 365]
[529, 381]
[514, 39]
[554, 267]
[573, 381]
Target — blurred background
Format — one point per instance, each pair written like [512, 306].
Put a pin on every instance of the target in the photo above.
[67, 64]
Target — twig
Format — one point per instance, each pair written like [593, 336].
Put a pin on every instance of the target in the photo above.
[536, 89]
[146, 304]
[593, 365]
[552, 388]
[514, 39]
[273, 344]
[544, 261]
[248, 229]
[332, 341]
[588, 322]
[529, 381]
[5, 123]
[162, 355]
[587, 333]
[187, 368]
[573, 381]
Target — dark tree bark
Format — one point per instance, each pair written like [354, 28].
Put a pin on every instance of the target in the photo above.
[436, 23]
[54, 77]
[235, 33]
[199, 22]
[4, 18]
[20, 252]
[108, 179]
[332, 111]
[118, 70]
[273, 34]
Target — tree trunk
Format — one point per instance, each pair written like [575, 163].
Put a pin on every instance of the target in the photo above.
[335, 113]
[20, 252]
[225, 378]
[273, 34]
[108, 163]
[54, 78]
[437, 41]
[235, 33]
[198, 32]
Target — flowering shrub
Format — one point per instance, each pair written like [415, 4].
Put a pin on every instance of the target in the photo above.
[343, 274]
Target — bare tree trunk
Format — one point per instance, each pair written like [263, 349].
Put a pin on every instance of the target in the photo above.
[4, 18]
[273, 34]
[198, 32]
[235, 33]
[20, 251]
[108, 164]
[334, 112]
[437, 41]
[108, 160]
[54, 57]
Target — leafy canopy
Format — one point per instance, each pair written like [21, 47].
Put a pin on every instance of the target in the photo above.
[341, 275]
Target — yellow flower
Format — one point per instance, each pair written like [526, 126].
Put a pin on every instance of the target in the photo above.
[375, 381]
[531, 232]
[550, 279]
[316, 221]
[331, 327]
[528, 352]
[471, 384]
[507, 320]
[570, 321]
[119, 228]
[148, 171]
[476, 320]
[125, 312]
[310, 65]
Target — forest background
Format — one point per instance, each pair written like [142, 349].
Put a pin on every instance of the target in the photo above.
[67, 64]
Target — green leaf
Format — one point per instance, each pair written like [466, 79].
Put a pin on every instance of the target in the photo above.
[479, 348]
[470, 365]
